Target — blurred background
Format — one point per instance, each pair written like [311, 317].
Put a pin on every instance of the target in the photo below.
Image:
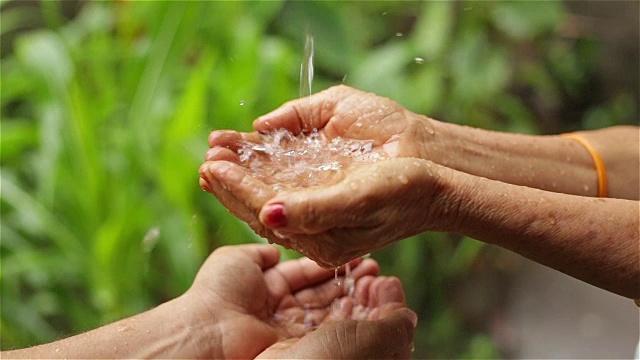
[106, 108]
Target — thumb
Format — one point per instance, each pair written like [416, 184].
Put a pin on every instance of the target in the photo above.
[387, 338]
[313, 211]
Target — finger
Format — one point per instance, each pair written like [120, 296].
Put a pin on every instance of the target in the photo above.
[290, 276]
[385, 290]
[278, 348]
[387, 338]
[222, 153]
[303, 114]
[265, 256]
[322, 295]
[246, 189]
[305, 211]
[209, 183]
[225, 138]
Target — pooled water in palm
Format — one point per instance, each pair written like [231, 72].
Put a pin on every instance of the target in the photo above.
[288, 161]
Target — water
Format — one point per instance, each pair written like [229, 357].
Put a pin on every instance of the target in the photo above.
[306, 68]
[288, 161]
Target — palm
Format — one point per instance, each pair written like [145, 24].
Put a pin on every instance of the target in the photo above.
[288, 300]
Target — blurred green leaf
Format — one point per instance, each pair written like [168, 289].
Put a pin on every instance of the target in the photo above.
[464, 255]
[523, 19]
[44, 53]
[433, 30]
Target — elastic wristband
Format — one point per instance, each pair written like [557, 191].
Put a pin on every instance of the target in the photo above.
[601, 171]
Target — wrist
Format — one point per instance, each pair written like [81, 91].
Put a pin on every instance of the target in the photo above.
[449, 193]
[192, 327]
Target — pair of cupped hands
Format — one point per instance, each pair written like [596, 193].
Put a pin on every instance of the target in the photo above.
[364, 207]
[367, 206]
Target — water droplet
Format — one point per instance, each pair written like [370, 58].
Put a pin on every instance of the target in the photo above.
[399, 34]
[336, 280]
[384, 13]
[57, 349]
[150, 239]
[242, 102]
[279, 234]
[403, 179]
[585, 187]
[419, 60]
[344, 78]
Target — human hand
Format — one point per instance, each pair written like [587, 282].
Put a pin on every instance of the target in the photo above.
[374, 205]
[342, 111]
[292, 308]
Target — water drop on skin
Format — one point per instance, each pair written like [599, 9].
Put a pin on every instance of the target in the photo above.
[403, 179]
[349, 281]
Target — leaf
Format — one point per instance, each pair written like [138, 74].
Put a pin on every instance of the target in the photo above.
[464, 255]
[433, 30]
[526, 19]
[45, 54]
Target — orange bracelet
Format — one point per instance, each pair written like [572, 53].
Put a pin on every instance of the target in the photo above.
[601, 171]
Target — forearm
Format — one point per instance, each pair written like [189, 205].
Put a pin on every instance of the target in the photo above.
[594, 240]
[158, 333]
[552, 163]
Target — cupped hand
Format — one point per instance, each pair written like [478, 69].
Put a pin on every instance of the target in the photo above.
[342, 111]
[292, 308]
[373, 205]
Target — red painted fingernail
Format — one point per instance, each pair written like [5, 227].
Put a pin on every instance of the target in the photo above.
[275, 217]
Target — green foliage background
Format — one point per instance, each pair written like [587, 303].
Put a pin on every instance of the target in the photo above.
[106, 112]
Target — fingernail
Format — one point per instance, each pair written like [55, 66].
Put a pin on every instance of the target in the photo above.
[204, 184]
[414, 318]
[274, 217]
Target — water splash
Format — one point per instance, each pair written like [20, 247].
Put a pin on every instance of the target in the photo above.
[288, 161]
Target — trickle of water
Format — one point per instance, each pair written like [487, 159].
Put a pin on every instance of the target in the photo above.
[336, 280]
[306, 68]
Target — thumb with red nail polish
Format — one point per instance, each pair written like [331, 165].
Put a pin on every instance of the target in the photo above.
[273, 216]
